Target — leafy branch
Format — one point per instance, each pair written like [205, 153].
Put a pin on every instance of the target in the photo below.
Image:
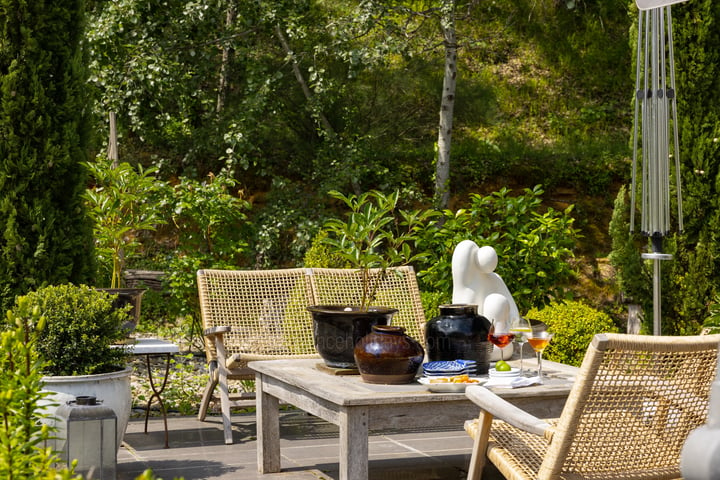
[375, 235]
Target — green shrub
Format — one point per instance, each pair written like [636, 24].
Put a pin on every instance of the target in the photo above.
[22, 438]
[574, 324]
[533, 244]
[212, 231]
[80, 328]
[322, 255]
[712, 322]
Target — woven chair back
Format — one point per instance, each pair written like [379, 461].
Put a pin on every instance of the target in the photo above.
[634, 402]
[266, 310]
[398, 289]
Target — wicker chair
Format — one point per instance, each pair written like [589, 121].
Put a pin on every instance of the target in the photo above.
[399, 289]
[251, 315]
[635, 400]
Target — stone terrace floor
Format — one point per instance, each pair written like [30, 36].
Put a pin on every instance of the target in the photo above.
[309, 449]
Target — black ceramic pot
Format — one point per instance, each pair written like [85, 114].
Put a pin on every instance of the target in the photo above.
[459, 333]
[337, 328]
[388, 356]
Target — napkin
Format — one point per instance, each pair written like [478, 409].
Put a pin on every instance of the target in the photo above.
[512, 382]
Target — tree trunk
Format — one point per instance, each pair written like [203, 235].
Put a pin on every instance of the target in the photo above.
[301, 80]
[442, 171]
[225, 63]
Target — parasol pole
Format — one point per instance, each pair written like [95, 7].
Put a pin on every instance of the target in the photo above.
[655, 102]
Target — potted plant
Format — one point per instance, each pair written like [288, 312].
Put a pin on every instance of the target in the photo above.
[78, 334]
[120, 211]
[374, 237]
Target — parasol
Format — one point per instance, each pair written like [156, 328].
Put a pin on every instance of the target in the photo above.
[655, 106]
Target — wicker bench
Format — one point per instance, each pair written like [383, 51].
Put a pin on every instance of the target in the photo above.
[262, 314]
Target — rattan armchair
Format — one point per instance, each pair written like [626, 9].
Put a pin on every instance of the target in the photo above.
[635, 400]
[251, 315]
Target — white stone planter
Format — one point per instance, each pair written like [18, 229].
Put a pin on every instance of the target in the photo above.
[113, 389]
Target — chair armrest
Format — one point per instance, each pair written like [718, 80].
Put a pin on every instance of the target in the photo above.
[503, 410]
[215, 331]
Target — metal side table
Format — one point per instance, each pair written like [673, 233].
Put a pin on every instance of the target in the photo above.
[155, 347]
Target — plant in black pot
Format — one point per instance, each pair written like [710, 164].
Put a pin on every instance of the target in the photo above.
[373, 237]
[120, 211]
[78, 335]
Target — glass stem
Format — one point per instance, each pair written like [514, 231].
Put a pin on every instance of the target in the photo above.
[521, 359]
[539, 355]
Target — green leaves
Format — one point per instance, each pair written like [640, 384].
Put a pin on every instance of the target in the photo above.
[533, 244]
[120, 209]
[375, 234]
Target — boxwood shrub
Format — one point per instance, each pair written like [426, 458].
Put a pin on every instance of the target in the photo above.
[78, 331]
[574, 324]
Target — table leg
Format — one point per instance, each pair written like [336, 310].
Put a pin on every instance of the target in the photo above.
[268, 429]
[354, 444]
[157, 392]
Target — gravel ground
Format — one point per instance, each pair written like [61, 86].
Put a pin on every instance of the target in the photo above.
[186, 380]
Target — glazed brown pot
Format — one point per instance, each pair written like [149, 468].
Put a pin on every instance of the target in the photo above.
[338, 328]
[388, 356]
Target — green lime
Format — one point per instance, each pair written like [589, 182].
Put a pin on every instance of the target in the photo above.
[502, 366]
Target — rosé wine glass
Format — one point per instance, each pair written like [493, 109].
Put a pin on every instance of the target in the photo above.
[500, 339]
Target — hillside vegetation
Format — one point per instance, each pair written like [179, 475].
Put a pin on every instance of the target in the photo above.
[296, 98]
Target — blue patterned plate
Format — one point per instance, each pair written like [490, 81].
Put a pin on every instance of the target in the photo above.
[449, 367]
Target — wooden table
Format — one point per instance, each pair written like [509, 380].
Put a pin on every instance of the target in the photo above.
[358, 407]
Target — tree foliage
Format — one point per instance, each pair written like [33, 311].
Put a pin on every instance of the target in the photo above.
[44, 138]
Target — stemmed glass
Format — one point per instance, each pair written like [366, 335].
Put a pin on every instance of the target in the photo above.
[500, 339]
[538, 341]
[522, 330]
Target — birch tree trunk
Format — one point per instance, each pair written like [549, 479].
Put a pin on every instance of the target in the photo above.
[225, 63]
[447, 104]
[327, 128]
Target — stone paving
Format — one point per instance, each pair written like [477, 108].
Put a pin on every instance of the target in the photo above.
[309, 449]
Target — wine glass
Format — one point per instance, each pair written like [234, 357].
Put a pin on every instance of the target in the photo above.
[500, 338]
[538, 341]
[522, 330]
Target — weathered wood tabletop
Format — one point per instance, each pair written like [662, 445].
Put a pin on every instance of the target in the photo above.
[358, 407]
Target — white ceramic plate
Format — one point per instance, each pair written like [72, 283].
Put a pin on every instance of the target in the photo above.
[513, 372]
[449, 387]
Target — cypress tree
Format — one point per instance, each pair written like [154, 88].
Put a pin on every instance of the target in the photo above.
[698, 71]
[44, 137]
[697, 57]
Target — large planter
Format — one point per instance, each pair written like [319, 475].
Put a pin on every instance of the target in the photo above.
[338, 328]
[459, 333]
[388, 356]
[113, 389]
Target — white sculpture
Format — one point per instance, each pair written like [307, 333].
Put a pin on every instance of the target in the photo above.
[475, 282]
[474, 278]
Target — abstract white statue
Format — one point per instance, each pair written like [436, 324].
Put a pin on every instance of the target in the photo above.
[475, 282]
[474, 278]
